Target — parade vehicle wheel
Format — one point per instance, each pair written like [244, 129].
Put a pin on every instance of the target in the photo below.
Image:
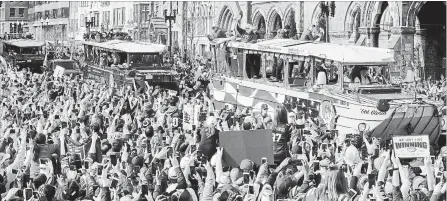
[383, 105]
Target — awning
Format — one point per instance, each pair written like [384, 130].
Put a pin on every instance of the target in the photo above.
[420, 119]
[25, 43]
[129, 46]
[346, 54]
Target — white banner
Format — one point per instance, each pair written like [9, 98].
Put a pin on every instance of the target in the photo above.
[196, 115]
[188, 114]
[59, 71]
[411, 146]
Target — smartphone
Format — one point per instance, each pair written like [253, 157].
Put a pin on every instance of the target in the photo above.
[114, 183]
[433, 159]
[252, 174]
[387, 144]
[371, 180]
[15, 171]
[56, 116]
[36, 195]
[324, 146]
[136, 169]
[376, 153]
[193, 148]
[27, 193]
[12, 131]
[316, 165]
[417, 170]
[192, 170]
[105, 160]
[100, 169]
[144, 189]
[42, 160]
[113, 159]
[263, 160]
[86, 164]
[199, 155]
[246, 177]
[177, 155]
[352, 193]
[364, 168]
[204, 159]
[344, 167]
[364, 152]
[251, 190]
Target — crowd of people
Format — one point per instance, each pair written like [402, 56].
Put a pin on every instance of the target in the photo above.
[70, 138]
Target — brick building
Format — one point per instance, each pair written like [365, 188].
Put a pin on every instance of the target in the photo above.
[13, 17]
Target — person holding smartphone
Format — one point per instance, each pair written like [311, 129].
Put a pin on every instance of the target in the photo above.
[209, 137]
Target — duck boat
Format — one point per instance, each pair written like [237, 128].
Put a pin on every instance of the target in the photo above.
[323, 80]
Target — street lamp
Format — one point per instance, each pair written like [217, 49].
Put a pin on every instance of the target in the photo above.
[44, 24]
[170, 18]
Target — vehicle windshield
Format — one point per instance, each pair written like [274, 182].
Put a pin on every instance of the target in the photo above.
[366, 75]
[145, 59]
[24, 50]
[32, 50]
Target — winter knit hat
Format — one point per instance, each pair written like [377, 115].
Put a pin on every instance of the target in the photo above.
[138, 160]
[246, 164]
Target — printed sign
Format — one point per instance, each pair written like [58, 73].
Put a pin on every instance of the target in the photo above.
[252, 144]
[59, 71]
[188, 114]
[196, 115]
[411, 146]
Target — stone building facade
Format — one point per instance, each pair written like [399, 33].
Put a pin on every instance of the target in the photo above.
[13, 17]
[49, 20]
[411, 28]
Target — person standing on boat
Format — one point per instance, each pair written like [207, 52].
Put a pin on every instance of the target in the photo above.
[363, 78]
[264, 121]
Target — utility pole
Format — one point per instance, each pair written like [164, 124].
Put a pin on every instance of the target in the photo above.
[170, 18]
[185, 28]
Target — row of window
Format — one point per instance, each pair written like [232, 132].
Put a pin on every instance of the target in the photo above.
[200, 26]
[85, 3]
[16, 12]
[118, 18]
[146, 11]
[50, 14]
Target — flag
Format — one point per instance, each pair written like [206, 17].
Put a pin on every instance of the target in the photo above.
[139, 85]
[127, 109]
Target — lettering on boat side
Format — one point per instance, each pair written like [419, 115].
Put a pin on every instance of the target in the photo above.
[374, 112]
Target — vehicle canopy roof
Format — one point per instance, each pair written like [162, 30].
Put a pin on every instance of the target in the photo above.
[346, 54]
[129, 46]
[24, 43]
